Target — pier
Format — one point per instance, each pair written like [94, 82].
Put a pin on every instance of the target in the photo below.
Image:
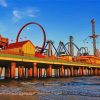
[17, 67]
[24, 60]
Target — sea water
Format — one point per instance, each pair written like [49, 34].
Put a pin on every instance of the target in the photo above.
[69, 88]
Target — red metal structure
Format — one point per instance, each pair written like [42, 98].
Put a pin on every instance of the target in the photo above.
[43, 31]
[3, 42]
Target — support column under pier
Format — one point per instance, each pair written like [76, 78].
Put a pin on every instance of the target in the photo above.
[1, 70]
[62, 71]
[91, 71]
[95, 71]
[76, 72]
[49, 71]
[83, 74]
[23, 71]
[86, 70]
[30, 72]
[40, 72]
[80, 71]
[8, 72]
[98, 71]
[26, 72]
[68, 72]
[72, 72]
[44, 72]
[20, 73]
[57, 72]
[35, 70]
[13, 66]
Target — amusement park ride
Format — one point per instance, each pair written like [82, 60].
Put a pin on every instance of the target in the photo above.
[3, 42]
[64, 51]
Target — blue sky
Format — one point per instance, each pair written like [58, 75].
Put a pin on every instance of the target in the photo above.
[60, 19]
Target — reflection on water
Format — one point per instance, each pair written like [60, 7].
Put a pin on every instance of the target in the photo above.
[78, 88]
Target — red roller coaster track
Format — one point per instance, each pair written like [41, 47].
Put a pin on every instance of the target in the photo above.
[43, 31]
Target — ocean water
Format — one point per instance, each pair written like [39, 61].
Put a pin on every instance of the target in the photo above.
[72, 88]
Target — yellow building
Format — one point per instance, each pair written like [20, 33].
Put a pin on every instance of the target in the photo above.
[21, 48]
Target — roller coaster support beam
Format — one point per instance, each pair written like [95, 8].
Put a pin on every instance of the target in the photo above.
[71, 45]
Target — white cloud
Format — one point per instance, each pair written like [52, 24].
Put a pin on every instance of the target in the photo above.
[3, 3]
[19, 14]
[32, 13]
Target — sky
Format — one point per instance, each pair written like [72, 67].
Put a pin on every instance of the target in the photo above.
[59, 18]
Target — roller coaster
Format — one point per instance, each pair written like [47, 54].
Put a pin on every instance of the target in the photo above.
[48, 49]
